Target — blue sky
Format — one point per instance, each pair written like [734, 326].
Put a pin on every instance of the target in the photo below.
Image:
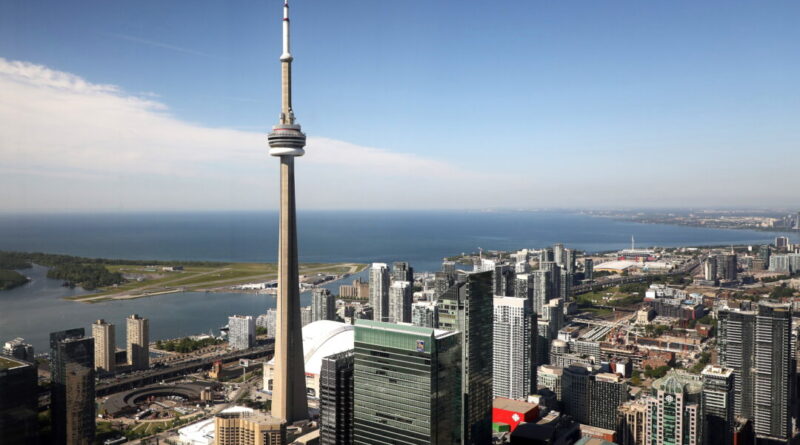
[463, 104]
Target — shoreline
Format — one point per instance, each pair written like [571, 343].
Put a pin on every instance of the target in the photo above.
[225, 285]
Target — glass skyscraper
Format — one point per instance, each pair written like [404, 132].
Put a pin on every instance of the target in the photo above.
[407, 382]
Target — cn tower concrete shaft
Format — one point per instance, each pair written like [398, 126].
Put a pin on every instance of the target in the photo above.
[287, 141]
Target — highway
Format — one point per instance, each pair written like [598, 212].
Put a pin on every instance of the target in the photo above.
[155, 375]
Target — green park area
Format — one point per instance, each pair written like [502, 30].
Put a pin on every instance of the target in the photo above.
[124, 279]
[619, 296]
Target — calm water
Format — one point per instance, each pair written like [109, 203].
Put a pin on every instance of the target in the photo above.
[423, 238]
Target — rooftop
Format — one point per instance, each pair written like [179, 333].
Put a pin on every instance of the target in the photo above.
[8, 363]
[516, 406]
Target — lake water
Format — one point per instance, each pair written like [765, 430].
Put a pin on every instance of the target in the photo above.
[422, 238]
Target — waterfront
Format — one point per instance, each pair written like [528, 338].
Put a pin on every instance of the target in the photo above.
[34, 310]
[422, 238]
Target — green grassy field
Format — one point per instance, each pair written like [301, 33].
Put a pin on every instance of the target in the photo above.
[147, 281]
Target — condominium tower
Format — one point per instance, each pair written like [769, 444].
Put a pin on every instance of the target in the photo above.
[379, 291]
[105, 346]
[514, 375]
[138, 342]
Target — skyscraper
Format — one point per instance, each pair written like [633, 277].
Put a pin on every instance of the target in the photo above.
[287, 141]
[503, 280]
[774, 378]
[138, 335]
[588, 269]
[72, 393]
[19, 402]
[514, 373]
[468, 307]
[323, 305]
[336, 399]
[105, 346]
[400, 299]
[718, 409]
[757, 346]
[631, 422]
[736, 351]
[673, 410]
[379, 291]
[241, 332]
[727, 266]
[407, 382]
[541, 289]
[710, 269]
[402, 271]
[558, 254]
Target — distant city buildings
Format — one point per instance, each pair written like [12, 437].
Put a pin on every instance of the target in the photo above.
[402, 271]
[17, 348]
[138, 341]
[425, 314]
[241, 332]
[323, 305]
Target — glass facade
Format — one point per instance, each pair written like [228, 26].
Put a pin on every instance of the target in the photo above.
[407, 384]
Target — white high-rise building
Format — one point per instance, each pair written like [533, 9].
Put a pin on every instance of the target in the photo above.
[138, 342]
[241, 331]
[267, 321]
[400, 299]
[105, 346]
[379, 291]
[514, 376]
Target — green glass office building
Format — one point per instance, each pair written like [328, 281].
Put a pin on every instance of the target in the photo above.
[407, 385]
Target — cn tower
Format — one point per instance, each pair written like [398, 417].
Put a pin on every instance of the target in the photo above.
[287, 141]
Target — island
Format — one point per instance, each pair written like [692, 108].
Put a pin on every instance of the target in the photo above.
[116, 279]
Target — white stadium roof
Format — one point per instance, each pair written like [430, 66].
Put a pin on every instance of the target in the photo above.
[323, 338]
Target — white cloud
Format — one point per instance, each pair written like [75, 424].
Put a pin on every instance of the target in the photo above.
[61, 137]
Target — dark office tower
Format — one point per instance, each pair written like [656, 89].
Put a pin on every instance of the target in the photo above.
[782, 242]
[503, 280]
[19, 402]
[774, 372]
[407, 381]
[323, 305]
[379, 290]
[575, 392]
[449, 267]
[718, 416]
[710, 269]
[588, 269]
[607, 393]
[757, 346]
[736, 351]
[336, 399]
[402, 271]
[764, 254]
[468, 307]
[558, 254]
[726, 266]
[72, 397]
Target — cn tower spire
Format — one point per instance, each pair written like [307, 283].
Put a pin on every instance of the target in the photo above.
[286, 141]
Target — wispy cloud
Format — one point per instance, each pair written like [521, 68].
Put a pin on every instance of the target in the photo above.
[71, 134]
[162, 45]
